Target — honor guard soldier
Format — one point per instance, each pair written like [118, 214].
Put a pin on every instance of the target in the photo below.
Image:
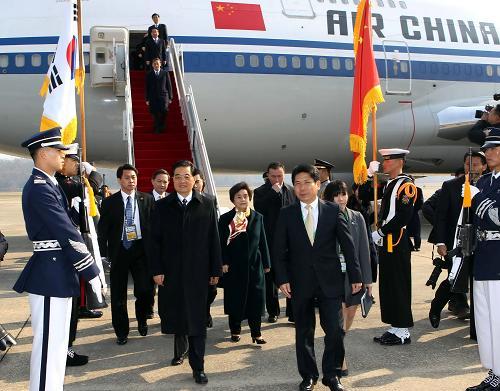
[325, 174]
[396, 210]
[486, 269]
[51, 276]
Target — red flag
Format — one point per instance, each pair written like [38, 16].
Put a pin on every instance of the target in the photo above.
[366, 91]
[238, 16]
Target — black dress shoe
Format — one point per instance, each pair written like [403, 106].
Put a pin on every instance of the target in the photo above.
[200, 377]
[482, 387]
[382, 337]
[259, 341]
[307, 384]
[395, 340]
[150, 315]
[75, 360]
[142, 327]
[235, 338]
[344, 372]
[333, 383]
[85, 313]
[272, 319]
[210, 322]
[178, 360]
[434, 319]
[121, 340]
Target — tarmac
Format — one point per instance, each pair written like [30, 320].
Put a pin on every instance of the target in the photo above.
[444, 359]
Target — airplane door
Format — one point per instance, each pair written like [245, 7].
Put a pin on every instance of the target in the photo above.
[297, 8]
[108, 55]
[397, 61]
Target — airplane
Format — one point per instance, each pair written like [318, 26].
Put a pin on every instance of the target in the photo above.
[278, 85]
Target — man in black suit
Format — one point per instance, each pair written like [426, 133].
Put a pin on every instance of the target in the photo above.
[186, 256]
[268, 200]
[124, 234]
[448, 210]
[308, 270]
[162, 29]
[158, 95]
[155, 48]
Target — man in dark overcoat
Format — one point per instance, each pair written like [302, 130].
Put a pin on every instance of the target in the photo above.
[158, 95]
[186, 255]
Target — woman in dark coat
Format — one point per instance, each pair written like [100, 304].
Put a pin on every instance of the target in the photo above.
[245, 259]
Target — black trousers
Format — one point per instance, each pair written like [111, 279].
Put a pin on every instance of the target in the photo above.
[194, 346]
[133, 260]
[212, 294]
[159, 118]
[331, 320]
[443, 295]
[253, 323]
[272, 301]
[151, 305]
[75, 305]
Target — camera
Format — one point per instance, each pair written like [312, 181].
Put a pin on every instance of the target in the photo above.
[439, 265]
[487, 109]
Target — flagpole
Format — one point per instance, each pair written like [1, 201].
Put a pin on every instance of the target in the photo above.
[374, 158]
[82, 90]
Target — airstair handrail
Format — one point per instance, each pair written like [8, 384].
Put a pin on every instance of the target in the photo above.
[128, 116]
[191, 119]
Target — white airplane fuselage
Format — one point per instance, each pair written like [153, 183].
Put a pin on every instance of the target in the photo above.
[282, 93]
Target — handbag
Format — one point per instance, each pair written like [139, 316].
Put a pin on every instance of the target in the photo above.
[366, 303]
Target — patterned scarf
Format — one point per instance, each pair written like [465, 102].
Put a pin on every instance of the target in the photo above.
[238, 224]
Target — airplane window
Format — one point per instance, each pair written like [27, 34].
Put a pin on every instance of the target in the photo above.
[20, 60]
[239, 60]
[345, 1]
[445, 68]
[434, 68]
[36, 60]
[254, 61]
[356, 2]
[392, 4]
[489, 70]
[309, 62]
[349, 64]
[402, 4]
[456, 69]
[380, 3]
[100, 57]
[282, 63]
[268, 61]
[296, 62]
[404, 66]
[50, 58]
[86, 58]
[333, 1]
[468, 69]
[323, 63]
[498, 70]
[336, 63]
[4, 61]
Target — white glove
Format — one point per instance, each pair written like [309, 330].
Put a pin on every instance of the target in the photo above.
[104, 285]
[96, 285]
[377, 238]
[473, 190]
[373, 167]
[87, 168]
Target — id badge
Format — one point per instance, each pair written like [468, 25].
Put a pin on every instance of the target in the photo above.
[131, 232]
[343, 266]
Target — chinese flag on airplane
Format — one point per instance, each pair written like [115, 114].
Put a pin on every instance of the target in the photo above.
[238, 16]
[366, 92]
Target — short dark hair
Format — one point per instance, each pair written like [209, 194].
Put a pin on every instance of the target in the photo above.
[308, 169]
[197, 171]
[154, 28]
[160, 171]
[333, 189]
[155, 14]
[127, 167]
[459, 171]
[183, 163]
[275, 166]
[237, 188]
[34, 154]
[476, 154]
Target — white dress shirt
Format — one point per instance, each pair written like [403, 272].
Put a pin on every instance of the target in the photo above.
[135, 210]
[157, 196]
[187, 198]
[314, 210]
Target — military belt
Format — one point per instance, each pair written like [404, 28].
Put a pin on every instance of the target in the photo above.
[484, 236]
[46, 245]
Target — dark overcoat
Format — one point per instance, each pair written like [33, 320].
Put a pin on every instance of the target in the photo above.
[247, 256]
[185, 248]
